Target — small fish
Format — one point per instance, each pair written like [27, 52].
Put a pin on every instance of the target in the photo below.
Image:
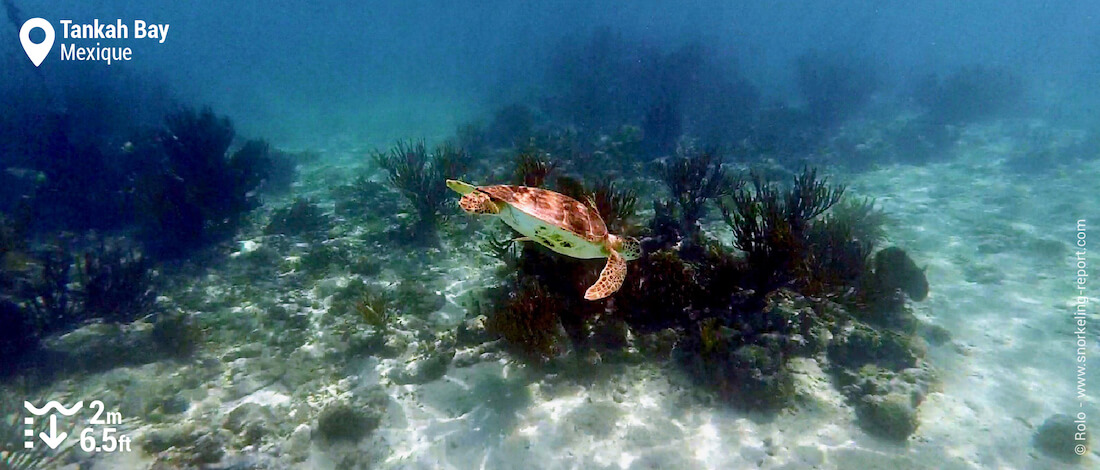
[22, 173]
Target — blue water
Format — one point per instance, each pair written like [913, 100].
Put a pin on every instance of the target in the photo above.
[864, 231]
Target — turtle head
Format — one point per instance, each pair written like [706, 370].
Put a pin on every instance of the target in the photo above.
[460, 187]
[629, 247]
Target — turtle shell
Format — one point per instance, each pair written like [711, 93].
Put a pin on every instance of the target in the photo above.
[553, 208]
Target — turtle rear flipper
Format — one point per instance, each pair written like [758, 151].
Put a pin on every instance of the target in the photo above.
[611, 278]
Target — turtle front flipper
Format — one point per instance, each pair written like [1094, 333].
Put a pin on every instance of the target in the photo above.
[478, 203]
[611, 278]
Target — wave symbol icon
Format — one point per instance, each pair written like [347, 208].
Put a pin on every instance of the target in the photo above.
[53, 405]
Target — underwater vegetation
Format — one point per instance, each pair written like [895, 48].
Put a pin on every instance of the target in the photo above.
[529, 320]
[805, 277]
[114, 152]
[63, 287]
[373, 305]
[97, 204]
[693, 179]
[201, 190]
[421, 177]
[771, 227]
[111, 284]
[115, 283]
[60, 144]
[842, 240]
[302, 217]
[13, 454]
[532, 170]
[615, 203]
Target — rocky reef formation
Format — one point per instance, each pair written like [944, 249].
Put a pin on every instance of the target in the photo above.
[805, 280]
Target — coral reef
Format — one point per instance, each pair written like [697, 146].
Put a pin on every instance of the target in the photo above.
[860, 345]
[886, 401]
[893, 415]
[528, 319]
[742, 352]
[753, 376]
[660, 292]
[264, 350]
[733, 321]
[881, 369]
[883, 292]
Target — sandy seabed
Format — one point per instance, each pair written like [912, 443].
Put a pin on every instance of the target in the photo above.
[999, 250]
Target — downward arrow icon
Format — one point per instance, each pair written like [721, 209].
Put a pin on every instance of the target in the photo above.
[53, 439]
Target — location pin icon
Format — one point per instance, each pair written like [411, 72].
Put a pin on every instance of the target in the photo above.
[37, 52]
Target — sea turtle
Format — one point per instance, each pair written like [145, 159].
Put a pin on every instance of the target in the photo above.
[557, 222]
